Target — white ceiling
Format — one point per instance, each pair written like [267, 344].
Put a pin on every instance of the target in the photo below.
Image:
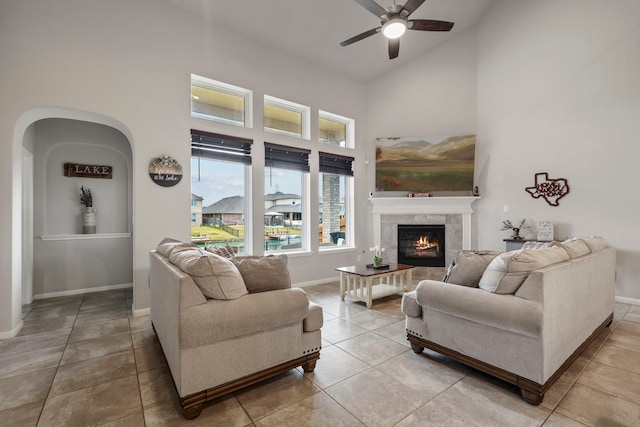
[313, 29]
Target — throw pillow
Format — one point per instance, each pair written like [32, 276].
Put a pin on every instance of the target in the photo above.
[535, 245]
[216, 277]
[467, 267]
[168, 244]
[223, 251]
[506, 273]
[263, 273]
[574, 247]
[596, 243]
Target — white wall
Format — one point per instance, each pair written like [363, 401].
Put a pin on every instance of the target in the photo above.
[558, 92]
[129, 64]
[432, 95]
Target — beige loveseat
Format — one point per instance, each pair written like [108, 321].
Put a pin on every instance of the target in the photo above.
[225, 324]
[524, 319]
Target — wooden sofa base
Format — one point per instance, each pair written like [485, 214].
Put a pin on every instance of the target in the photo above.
[530, 391]
[192, 405]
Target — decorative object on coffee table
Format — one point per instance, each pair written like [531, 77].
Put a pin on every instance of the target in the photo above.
[377, 256]
[507, 225]
[88, 212]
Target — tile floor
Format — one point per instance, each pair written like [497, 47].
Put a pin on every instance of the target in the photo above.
[84, 360]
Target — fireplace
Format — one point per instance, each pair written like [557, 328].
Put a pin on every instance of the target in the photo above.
[421, 245]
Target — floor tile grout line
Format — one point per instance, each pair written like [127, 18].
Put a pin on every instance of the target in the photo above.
[135, 363]
[58, 366]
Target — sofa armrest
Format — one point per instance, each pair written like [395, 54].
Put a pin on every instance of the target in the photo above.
[314, 319]
[506, 312]
[219, 320]
[410, 305]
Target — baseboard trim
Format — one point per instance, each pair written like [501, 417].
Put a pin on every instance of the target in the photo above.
[315, 282]
[83, 291]
[12, 333]
[625, 300]
[140, 311]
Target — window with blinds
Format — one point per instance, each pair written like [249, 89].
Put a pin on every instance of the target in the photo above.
[219, 168]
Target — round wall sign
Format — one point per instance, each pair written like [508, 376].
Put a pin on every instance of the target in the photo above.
[165, 171]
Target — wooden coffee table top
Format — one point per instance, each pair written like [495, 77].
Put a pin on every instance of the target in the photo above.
[361, 270]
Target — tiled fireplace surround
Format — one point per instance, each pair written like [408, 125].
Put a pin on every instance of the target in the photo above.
[453, 212]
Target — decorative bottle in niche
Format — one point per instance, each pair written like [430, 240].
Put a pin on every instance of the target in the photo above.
[89, 220]
[88, 212]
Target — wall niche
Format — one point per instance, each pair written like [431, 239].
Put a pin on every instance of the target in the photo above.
[65, 260]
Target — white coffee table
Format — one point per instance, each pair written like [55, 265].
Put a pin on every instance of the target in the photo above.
[357, 281]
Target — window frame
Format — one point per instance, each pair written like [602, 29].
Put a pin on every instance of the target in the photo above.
[296, 153]
[303, 110]
[349, 137]
[220, 147]
[210, 84]
[349, 193]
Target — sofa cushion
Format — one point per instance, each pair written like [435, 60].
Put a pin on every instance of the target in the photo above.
[218, 320]
[216, 277]
[223, 251]
[263, 273]
[504, 312]
[506, 273]
[467, 267]
[168, 244]
[574, 247]
[596, 243]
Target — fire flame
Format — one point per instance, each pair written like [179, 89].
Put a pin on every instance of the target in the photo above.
[423, 244]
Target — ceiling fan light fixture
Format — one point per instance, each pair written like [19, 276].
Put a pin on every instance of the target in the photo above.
[394, 28]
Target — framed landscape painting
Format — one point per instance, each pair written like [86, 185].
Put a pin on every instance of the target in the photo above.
[424, 164]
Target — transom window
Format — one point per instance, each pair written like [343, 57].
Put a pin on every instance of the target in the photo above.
[285, 117]
[220, 102]
[335, 130]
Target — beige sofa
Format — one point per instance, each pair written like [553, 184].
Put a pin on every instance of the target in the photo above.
[531, 331]
[251, 332]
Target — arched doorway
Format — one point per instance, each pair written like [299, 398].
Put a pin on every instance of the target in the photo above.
[72, 263]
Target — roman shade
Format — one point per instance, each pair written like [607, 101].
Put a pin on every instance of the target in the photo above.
[220, 147]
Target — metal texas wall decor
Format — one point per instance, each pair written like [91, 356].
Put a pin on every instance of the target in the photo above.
[552, 190]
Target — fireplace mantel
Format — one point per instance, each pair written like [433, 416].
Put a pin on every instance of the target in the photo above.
[423, 205]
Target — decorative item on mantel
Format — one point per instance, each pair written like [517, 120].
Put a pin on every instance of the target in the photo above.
[507, 225]
[88, 212]
[377, 258]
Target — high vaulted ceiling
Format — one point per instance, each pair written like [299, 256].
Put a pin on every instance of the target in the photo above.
[313, 29]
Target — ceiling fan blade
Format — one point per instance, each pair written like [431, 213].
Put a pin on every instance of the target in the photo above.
[360, 36]
[429, 25]
[411, 5]
[394, 48]
[373, 7]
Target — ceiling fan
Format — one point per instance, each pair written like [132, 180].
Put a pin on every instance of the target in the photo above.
[395, 22]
